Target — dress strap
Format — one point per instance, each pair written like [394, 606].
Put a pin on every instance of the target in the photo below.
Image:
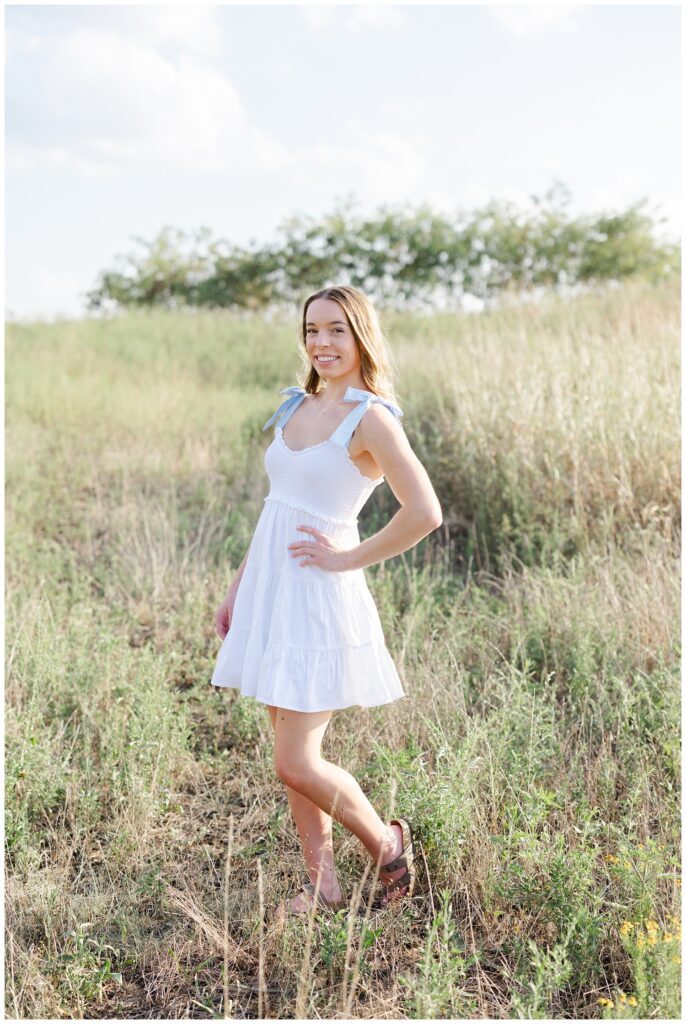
[288, 407]
[344, 431]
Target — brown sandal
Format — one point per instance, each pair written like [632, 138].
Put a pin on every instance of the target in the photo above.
[404, 860]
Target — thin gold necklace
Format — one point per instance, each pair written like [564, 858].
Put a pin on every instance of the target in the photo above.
[325, 412]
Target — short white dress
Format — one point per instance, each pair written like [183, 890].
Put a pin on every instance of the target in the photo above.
[302, 637]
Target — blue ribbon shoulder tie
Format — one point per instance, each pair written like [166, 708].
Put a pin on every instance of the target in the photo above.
[368, 397]
[344, 431]
[296, 395]
[364, 399]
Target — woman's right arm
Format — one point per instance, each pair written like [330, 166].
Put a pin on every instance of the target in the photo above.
[224, 614]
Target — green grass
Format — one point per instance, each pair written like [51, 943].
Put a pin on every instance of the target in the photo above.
[538, 754]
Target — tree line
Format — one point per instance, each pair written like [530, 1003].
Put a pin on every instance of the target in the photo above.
[401, 257]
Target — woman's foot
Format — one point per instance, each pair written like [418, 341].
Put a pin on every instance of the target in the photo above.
[303, 901]
[394, 849]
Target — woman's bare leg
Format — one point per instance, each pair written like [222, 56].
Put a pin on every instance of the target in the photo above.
[299, 764]
[314, 828]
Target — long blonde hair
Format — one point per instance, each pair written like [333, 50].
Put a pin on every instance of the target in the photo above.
[375, 357]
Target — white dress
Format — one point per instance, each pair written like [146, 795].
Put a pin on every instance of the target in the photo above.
[302, 637]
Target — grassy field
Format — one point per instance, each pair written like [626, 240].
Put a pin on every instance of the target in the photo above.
[536, 632]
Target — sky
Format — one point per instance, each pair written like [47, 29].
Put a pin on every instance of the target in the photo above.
[121, 120]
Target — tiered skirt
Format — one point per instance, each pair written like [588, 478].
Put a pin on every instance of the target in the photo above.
[302, 637]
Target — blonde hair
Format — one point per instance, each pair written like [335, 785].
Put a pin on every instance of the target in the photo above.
[375, 357]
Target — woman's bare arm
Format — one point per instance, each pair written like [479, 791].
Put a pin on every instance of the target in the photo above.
[222, 620]
[241, 567]
[420, 512]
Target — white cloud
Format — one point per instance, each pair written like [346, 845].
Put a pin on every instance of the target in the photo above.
[534, 22]
[366, 16]
[195, 26]
[380, 167]
[352, 17]
[20, 155]
[99, 97]
[318, 15]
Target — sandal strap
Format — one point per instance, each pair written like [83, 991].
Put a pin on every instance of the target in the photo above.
[393, 865]
[405, 860]
[398, 883]
[308, 887]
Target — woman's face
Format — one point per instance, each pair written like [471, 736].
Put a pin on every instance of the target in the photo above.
[330, 342]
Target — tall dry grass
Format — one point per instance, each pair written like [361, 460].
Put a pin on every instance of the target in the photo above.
[538, 754]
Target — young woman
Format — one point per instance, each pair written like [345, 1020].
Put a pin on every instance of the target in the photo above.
[301, 632]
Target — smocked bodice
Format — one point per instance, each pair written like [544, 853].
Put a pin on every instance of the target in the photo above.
[322, 478]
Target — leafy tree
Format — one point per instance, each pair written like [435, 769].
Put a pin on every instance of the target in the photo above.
[400, 257]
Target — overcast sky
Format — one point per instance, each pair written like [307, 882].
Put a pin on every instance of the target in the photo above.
[121, 120]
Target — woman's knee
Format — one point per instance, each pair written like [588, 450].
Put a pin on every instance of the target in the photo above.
[293, 771]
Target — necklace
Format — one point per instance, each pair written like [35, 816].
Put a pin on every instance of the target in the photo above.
[329, 408]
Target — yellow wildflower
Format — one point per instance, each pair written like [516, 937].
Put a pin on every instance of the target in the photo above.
[676, 959]
[605, 1002]
[668, 937]
[651, 940]
[640, 942]
[632, 1001]
[622, 997]
[651, 926]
